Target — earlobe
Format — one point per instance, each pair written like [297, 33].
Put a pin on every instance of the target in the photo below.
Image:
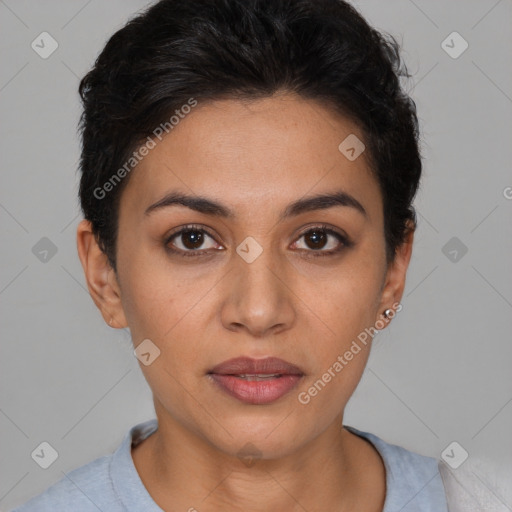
[394, 284]
[100, 276]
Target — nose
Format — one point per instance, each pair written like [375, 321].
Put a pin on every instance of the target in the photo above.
[259, 296]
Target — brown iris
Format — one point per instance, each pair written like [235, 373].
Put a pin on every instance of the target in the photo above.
[192, 239]
[318, 239]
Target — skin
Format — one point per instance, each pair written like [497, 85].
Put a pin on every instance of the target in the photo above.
[255, 157]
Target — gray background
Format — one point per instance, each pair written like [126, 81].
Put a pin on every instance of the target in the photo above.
[440, 373]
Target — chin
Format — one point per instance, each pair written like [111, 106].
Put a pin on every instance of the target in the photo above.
[266, 438]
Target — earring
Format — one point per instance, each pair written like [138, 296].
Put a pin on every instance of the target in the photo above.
[387, 313]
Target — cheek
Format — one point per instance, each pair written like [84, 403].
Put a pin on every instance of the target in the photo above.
[343, 313]
[342, 345]
[169, 309]
[147, 304]
[151, 304]
[154, 296]
[343, 304]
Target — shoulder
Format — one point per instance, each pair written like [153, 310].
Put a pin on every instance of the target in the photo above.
[103, 484]
[87, 488]
[413, 481]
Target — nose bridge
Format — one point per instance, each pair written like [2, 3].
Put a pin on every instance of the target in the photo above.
[260, 275]
[258, 298]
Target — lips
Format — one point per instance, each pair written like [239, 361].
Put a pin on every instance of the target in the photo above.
[249, 366]
[256, 381]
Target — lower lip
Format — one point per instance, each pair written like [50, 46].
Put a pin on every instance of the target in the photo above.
[256, 392]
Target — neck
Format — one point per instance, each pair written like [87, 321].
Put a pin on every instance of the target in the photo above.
[337, 471]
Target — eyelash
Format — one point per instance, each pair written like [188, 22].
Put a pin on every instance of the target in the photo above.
[345, 242]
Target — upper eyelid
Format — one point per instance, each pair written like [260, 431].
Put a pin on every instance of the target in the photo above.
[184, 229]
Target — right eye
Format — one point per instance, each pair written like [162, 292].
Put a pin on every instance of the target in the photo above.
[190, 241]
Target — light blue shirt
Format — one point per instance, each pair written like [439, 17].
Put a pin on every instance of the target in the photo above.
[112, 484]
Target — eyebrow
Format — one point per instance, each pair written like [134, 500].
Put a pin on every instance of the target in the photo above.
[212, 207]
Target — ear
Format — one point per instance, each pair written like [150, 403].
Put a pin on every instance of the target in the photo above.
[100, 276]
[394, 282]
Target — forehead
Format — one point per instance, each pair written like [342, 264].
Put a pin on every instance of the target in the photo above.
[257, 152]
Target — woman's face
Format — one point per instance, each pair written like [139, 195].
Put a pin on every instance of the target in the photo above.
[254, 283]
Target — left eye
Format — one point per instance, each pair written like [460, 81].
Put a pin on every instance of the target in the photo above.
[322, 239]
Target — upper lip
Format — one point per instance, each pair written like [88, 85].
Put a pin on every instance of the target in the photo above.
[250, 366]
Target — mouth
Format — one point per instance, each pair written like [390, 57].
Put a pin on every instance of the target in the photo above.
[259, 377]
[256, 381]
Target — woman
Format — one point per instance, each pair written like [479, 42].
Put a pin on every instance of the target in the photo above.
[248, 170]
